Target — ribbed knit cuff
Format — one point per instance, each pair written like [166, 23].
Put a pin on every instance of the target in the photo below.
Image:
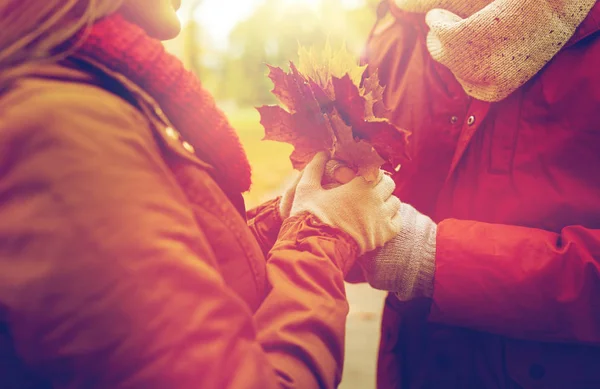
[406, 264]
[424, 231]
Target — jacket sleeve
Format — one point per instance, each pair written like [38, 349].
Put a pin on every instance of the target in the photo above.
[519, 282]
[265, 223]
[107, 282]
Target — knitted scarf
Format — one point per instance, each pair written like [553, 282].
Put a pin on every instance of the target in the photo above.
[494, 46]
[127, 49]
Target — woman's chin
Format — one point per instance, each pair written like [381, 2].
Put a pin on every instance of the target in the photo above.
[167, 31]
[158, 22]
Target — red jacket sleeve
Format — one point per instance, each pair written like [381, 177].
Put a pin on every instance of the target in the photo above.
[519, 282]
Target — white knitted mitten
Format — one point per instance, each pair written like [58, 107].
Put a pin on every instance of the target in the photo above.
[493, 49]
[406, 264]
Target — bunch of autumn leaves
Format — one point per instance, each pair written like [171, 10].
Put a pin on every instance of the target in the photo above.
[327, 105]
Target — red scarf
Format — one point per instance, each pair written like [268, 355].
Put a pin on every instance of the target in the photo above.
[127, 49]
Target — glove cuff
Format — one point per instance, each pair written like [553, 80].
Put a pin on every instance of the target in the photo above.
[421, 231]
[405, 266]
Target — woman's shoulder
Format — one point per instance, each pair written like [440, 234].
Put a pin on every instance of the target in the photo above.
[50, 94]
[60, 111]
[65, 120]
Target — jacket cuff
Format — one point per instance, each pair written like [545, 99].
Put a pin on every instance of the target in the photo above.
[265, 222]
[308, 233]
[419, 248]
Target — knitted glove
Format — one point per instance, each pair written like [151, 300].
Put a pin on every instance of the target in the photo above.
[287, 199]
[406, 264]
[492, 49]
[365, 211]
[335, 173]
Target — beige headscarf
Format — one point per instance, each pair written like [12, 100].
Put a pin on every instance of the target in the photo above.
[494, 46]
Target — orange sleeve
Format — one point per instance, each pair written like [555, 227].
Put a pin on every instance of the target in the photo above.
[302, 321]
[106, 281]
[265, 223]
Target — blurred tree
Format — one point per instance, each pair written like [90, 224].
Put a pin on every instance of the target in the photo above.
[272, 35]
[192, 36]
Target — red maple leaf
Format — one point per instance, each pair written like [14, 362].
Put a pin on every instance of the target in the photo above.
[351, 126]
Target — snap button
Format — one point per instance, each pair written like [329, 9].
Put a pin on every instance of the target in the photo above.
[471, 120]
[188, 147]
[171, 133]
[454, 120]
[537, 372]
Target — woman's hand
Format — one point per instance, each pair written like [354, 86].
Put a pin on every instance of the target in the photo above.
[336, 173]
[366, 211]
[287, 199]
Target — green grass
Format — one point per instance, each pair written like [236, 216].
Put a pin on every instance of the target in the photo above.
[271, 167]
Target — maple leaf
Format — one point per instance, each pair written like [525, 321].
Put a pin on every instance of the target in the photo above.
[348, 100]
[389, 141]
[373, 93]
[283, 87]
[322, 65]
[307, 135]
[357, 154]
[303, 125]
[327, 110]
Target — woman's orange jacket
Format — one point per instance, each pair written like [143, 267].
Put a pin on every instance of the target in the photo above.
[123, 264]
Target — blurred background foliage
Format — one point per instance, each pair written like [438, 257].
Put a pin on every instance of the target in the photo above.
[228, 43]
[231, 58]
